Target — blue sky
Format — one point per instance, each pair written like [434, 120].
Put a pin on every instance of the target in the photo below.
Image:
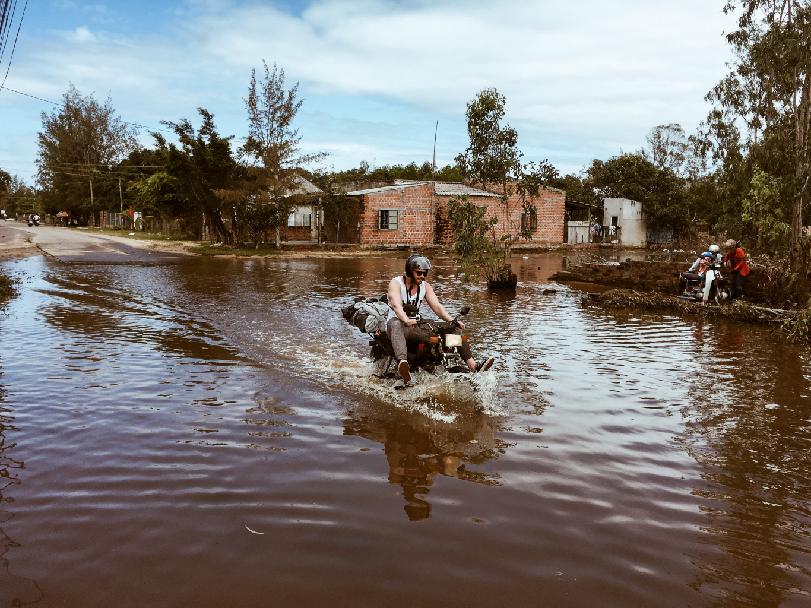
[585, 79]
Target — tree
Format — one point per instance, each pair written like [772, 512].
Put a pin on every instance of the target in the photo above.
[79, 145]
[668, 147]
[769, 89]
[273, 143]
[492, 156]
[202, 165]
[761, 207]
[478, 255]
[633, 176]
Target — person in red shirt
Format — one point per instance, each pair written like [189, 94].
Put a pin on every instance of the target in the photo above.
[735, 259]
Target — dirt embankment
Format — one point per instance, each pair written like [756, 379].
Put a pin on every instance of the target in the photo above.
[659, 277]
[15, 244]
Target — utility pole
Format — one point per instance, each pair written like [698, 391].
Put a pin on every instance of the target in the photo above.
[91, 192]
[120, 195]
[433, 164]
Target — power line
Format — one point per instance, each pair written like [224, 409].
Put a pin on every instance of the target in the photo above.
[13, 48]
[5, 26]
[32, 96]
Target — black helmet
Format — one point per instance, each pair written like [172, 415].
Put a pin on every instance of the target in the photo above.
[417, 262]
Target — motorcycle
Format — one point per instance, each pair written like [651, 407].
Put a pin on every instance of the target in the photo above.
[712, 287]
[33, 220]
[439, 348]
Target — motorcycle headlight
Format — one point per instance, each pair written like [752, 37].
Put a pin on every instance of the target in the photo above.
[453, 340]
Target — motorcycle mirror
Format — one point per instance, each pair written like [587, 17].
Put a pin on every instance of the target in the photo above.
[464, 311]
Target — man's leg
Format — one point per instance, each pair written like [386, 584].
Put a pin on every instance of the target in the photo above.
[467, 356]
[396, 332]
[740, 282]
[733, 285]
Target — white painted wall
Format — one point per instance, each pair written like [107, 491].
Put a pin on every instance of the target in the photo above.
[630, 218]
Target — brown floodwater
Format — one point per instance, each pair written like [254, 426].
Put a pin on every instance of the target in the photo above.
[208, 433]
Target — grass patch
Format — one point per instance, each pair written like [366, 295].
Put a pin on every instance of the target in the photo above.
[136, 234]
[214, 249]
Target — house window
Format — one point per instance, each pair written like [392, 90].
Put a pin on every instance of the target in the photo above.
[529, 221]
[299, 219]
[388, 219]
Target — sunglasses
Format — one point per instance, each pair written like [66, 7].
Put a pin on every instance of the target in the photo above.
[421, 273]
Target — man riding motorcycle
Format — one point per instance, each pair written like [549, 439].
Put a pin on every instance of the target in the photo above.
[405, 295]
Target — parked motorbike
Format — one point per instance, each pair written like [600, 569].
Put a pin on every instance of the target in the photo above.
[712, 287]
[439, 349]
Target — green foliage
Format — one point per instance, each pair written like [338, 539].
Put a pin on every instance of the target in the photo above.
[798, 328]
[274, 145]
[479, 255]
[157, 194]
[202, 166]
[80, 144]
[661, 192]
[15, 195]
[762, 113]
[390, 173]
[259, 218]
[761, 207]
[492, 156]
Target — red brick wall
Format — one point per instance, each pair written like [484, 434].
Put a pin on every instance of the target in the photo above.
[550, 206]
[423, 217]
[416, 216]
[296, 233]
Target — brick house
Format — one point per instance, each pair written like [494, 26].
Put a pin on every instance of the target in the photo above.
[305, 220]
[414, 213]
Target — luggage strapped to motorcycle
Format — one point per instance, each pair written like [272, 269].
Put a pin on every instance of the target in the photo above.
[369, 315]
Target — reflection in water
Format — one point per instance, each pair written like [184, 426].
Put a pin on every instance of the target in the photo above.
[751, 435]
[630, 455]
[418, 449]
[14, 590]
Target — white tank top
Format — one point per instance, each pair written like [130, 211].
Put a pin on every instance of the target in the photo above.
[416, 300]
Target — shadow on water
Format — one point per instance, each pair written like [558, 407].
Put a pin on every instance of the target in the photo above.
[751, 434]
[419, 448]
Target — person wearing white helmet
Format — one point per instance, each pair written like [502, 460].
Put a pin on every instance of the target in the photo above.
[715, 249]
[406, 294]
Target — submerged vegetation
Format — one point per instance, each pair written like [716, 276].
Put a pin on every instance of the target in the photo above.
[6, 288]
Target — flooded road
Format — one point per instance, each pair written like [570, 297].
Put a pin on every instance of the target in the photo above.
[207, 433]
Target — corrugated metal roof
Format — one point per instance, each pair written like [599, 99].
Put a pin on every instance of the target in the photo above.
[303, 186]
[459, 189]
[396, 186]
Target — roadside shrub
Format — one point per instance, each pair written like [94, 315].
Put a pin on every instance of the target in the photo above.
[798, 328]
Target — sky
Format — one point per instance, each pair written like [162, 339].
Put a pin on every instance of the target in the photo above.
[583, 79]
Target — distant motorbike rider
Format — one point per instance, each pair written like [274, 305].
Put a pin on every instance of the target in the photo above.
[716, 251]
[698, 270]
[406, 294]
[735, 258]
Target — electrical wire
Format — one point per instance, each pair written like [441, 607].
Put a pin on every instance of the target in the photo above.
[14, 47]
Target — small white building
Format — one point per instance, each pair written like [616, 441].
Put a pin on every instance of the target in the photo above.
[624, 221]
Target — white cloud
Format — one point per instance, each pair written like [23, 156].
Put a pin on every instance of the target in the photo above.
[582, 80]
[82, 34]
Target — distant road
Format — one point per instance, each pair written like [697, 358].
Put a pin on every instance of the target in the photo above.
[77, 246]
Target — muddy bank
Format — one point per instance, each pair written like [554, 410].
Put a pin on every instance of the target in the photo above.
[657, 276]
[794, 324]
